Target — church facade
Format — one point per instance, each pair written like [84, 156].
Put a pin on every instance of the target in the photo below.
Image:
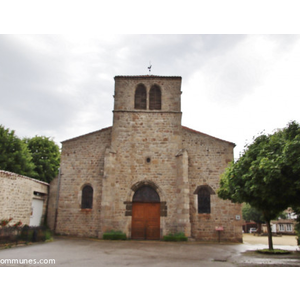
[146, 175]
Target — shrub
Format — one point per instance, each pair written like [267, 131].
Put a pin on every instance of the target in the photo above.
[18, 232]
[274, 251]
[114, 235]
[176, 237]
[48, 235]
[35, 234]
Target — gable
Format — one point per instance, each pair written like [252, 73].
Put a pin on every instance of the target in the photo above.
[206, 136]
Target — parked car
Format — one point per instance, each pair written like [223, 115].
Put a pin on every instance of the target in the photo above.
[252, 230]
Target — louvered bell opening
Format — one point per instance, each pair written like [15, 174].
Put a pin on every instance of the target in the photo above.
[140, 97]
[155, 98]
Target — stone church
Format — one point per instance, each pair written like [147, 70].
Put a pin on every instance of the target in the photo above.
[146, 175]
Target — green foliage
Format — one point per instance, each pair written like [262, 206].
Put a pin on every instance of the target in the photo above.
[267, 175]
[48, 235]
[114, 235]
[14, 154]
[37, 157]
[35, 234]
[45, 156]
[274, 251]
[252, 214]
[14, 233]
[297, 229]
[176, 237]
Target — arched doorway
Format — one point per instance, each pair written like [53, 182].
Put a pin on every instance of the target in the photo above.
[145, 214]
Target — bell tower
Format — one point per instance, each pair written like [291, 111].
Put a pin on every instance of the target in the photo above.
[144, 106]
[147, 93]
[145, 142]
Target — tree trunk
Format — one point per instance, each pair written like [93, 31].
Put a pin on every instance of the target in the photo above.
[259, 228]
[269, 234]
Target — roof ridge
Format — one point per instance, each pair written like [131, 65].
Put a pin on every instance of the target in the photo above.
[195, 131]
[22, 176]
[146, 76]
[76, 137]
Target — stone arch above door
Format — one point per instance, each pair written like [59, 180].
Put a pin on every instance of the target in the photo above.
[146, 193]
[142, 183]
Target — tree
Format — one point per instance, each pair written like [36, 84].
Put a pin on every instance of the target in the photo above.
[14, 154]
[267, 175]
[45, 156]
[296, 210]
[252, 214]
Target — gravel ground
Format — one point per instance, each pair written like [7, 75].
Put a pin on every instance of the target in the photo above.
[287, 240]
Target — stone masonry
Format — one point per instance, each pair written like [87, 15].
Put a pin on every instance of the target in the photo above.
[16, 195]
[144, 148]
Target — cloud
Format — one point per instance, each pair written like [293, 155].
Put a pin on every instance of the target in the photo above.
[233, 86]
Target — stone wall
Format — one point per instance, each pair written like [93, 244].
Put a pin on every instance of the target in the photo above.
[208, 158]
[82, 162]
[52, 203]
[144, 149]
[16, 196]
[125, 87]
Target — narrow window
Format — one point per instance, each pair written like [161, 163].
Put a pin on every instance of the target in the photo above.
[203, 201]
[155, 98]
[140, 97]
[87, 197]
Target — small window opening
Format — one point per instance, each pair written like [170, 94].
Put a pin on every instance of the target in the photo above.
[155, 98]
[38, 194]
[140, 97]
[87, 197]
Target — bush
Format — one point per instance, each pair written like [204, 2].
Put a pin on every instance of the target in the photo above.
[275, 251]
[114, 235]
[35, 234]
[176, 237]
[18, 232]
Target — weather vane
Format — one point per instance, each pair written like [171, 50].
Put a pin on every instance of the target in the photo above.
[149, 68]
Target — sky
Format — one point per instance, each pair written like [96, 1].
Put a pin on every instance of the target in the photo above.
[234, 86]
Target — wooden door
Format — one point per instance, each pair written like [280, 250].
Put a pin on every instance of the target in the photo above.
[145, 221]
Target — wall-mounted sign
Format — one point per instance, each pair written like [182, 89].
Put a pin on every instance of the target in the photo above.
[219, 228]
[237, 217]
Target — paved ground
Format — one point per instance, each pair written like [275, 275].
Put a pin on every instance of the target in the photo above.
[287, 240]
[75, 252]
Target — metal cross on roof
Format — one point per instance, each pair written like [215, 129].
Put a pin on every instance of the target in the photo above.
[149, 68]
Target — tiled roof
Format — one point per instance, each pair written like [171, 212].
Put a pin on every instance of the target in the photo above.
[146, 76]
[11, 174]
[284, 221]
[77, 137]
